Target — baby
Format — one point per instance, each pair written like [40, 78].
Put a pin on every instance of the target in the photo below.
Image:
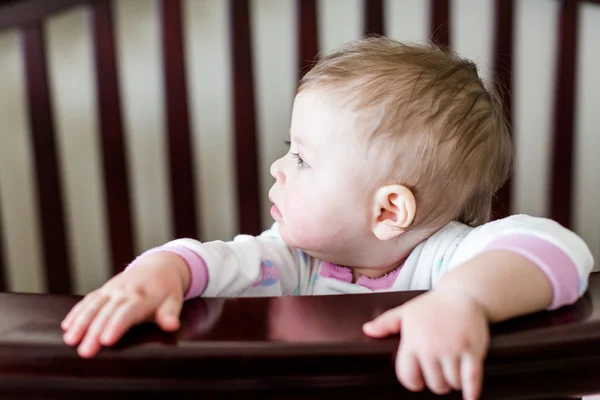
[396, 153]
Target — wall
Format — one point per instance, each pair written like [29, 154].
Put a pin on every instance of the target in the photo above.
[208, 75]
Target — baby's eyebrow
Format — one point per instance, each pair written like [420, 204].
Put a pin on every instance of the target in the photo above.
[298, 140]
[295, 138]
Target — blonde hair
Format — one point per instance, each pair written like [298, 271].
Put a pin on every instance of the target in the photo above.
[449, 136]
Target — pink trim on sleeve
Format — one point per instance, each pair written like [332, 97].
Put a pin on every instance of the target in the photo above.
[195, 263]
[557, 266]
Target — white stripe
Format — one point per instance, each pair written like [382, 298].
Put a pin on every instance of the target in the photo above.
[139, 57]
[338, 22]
[407, 20]
[17, 175]
[534, 77]
[208, 66]
[467, 17]
[73, 90]
[276, 72]
[587, 144]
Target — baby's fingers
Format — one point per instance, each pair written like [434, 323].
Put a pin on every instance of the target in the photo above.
[408, 371]
[471, 371]
[66, 322]
[434, 377]
[91, 343]
[81, 316]
[167, 315]
[130, 313]
[386, 324]
[451, 368]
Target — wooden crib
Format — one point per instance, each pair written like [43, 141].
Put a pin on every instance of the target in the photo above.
[64, 250]
[70, 256]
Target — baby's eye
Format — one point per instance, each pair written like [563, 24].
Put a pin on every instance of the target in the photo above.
[301, 163]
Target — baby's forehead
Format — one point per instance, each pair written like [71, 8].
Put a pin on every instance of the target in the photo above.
[321, 110]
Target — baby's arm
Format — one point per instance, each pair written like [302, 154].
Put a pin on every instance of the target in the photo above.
[246, 267]
[154, 286]
[519, 265]
[501, 270]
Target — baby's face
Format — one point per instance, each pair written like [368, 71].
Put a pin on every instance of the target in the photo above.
[323, 189]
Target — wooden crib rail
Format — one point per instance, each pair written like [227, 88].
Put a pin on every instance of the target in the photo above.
[257, 347]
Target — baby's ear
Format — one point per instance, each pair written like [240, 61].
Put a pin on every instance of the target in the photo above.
[394, 208]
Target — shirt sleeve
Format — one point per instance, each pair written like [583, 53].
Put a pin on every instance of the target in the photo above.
[561, 254]
[248, 266]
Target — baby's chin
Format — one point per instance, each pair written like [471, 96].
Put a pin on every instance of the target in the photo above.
[289, 238]
[310, 244]
[316, 248]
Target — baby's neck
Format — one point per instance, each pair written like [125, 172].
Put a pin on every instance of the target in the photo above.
[376, 272]
[377, 258]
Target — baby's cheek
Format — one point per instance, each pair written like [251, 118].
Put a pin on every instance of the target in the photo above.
[305, 223]
[306, 230]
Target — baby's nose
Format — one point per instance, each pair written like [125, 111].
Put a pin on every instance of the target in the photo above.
[277, 172]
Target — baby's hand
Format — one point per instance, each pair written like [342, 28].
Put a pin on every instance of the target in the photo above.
[444, 340]
[151, 290]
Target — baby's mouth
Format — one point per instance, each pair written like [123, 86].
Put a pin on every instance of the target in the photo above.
[275, 213]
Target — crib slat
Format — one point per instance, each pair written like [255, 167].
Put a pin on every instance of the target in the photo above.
[246, 153]
[180, 147]
[564, 115]
[308, 46]
[3, 277]
[373, 14]
[49, 187]
[113, 146]
[503, 50]
[440, 22]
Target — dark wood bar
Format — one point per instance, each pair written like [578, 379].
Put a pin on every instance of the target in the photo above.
[50, 203]
[296, 347]
[114, 162]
